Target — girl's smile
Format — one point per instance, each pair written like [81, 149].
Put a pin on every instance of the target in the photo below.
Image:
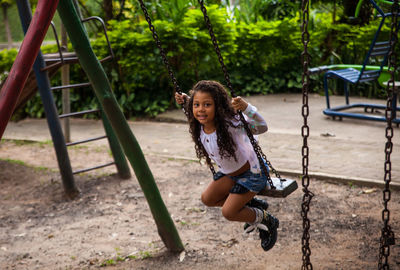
[204, 110]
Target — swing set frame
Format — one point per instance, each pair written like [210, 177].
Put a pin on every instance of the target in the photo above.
[387, 235]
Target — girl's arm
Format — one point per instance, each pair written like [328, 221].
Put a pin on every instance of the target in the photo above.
[255, 121]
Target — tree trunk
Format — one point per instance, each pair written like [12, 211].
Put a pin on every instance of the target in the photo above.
[85, 11]
[7, 26]
[108, 10]
[349, 8]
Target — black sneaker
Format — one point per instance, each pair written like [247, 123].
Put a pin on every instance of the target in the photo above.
[258, 203]
[268, 238]
[255, 203]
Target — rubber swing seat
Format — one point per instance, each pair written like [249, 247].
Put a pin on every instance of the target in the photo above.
[283, 188]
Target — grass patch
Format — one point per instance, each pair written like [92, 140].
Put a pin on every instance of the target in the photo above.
[29, 142]
[22, 163]
[41, 169]
[19, 142]
[146, 255]
[100, 149]
[44, 143]
[78, 147]
[350, 184]
[14, 161]
[108, 263]
[141, 255]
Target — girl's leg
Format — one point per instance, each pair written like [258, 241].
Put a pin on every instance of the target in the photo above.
[217, 191]
[234, 208]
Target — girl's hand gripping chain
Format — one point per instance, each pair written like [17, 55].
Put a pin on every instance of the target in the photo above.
[239, 104]
[181, 99]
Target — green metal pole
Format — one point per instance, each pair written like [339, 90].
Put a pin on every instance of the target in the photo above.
[102, 88]
[116, 150]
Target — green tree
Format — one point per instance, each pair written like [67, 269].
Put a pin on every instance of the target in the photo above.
[108, 10]
[5, 4]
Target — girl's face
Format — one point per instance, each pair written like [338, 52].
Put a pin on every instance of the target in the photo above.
[204, 109]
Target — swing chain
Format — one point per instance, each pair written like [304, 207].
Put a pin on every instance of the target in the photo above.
[387, 236]
[305, 206]
[212, 169]
[257, 149]
[162, 52]
[216, 47]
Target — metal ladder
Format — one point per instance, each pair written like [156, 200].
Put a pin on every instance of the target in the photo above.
[42, 71]
[63, 58]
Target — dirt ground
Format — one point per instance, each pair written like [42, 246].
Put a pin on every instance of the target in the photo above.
[110, 226]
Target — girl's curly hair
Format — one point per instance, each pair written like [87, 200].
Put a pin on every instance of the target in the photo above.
[224, 114]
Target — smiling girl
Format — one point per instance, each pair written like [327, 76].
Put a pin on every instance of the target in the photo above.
[219, 135]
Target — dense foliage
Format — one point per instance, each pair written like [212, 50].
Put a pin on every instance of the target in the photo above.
[261, 52]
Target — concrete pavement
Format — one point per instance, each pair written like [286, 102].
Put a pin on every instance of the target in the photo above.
[345, 151]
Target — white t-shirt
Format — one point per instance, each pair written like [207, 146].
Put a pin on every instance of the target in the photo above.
[244, 150]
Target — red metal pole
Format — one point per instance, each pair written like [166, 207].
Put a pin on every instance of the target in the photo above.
[24, 61]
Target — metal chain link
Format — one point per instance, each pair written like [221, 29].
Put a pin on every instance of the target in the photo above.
[208, 159]
[387, 236]
[257, 149]
[171, 74]
[162, 52]
[216, 47]
[305, 132]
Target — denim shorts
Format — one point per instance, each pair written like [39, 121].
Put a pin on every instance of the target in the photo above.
[247, 181]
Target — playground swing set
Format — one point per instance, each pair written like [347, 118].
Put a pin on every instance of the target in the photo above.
[287, 186]
[34, 37]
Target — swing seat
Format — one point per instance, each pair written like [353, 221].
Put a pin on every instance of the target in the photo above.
[283, 188]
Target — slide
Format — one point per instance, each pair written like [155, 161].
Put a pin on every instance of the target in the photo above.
[22, 66]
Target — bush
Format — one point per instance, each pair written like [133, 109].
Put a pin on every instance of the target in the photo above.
[261, 57]
[267, 58]
[254, 54]
[144, 85]
[7, 58]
